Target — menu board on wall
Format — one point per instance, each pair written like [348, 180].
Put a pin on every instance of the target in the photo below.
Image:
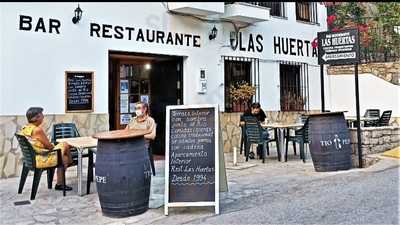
[192, 164]
[79, 88]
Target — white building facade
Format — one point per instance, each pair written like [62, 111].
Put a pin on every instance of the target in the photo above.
[39, 43]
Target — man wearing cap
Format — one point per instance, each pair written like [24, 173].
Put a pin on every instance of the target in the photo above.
[37, 137]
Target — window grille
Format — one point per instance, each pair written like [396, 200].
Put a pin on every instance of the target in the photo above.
[239, 69]
[294, 86]
[307, 12]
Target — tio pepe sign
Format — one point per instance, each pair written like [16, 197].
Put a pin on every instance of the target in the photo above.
[338, 47]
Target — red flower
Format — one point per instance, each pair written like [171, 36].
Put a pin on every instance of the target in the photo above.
[363, 27]
[335, 29]
[314, 43]
[330, 19]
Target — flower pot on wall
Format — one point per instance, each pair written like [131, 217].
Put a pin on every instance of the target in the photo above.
[239, 107]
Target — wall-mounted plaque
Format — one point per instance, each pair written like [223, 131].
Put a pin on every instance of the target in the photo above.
[79, 91]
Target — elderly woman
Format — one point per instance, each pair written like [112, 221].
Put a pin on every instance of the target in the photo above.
[37, 137]
[142, 120]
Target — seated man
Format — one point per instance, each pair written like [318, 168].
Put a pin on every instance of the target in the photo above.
[37, 137]
[256, 111]
[143, 120]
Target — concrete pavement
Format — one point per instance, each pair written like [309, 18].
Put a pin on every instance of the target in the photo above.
[271, 193]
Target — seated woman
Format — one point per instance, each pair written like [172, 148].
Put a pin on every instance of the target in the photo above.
[37, 137]
[143, 120]
[256, 111]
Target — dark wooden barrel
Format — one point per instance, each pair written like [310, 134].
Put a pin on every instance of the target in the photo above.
[123, 173]
[329, 142]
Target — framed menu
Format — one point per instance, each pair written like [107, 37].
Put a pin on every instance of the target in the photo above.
[79, 91]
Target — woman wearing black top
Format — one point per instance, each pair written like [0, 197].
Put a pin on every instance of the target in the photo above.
[256, 111]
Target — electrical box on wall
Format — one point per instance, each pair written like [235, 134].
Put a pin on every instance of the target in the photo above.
[202, 82]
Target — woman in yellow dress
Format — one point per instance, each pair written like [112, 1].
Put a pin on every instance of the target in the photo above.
[37, 137]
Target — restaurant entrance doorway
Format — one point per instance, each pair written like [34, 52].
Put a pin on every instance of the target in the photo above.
[155, 79]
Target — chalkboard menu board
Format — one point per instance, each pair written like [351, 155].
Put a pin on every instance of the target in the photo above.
[78, 91]
[192, 168]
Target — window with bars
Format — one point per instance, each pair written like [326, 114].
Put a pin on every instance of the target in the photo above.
[294, 91]
[237, 70]
[277, 8]
[307, 12]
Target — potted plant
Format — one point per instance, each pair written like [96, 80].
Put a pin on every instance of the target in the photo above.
[241, 94]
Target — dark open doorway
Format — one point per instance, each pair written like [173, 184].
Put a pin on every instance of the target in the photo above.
[137, 77]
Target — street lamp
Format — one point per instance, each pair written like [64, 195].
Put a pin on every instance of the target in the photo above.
[213, 33]
[78, 14]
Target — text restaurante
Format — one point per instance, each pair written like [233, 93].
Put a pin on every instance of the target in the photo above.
[143, 35]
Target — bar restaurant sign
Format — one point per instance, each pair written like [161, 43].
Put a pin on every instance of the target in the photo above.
[338, 47]
[191, 160]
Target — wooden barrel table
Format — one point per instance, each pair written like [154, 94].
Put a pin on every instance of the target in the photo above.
[329, 141]
[123, 172]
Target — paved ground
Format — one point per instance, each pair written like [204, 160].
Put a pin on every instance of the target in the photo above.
[271, 193]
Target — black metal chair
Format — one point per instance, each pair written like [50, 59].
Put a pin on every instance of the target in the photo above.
[29, 164]
[254, 135]
[301, 137]
[243, 138]
[371, 113]
[91, 165]
[384, 119]
[67, 130]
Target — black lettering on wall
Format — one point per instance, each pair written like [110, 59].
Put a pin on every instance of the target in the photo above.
[196, 41]
[179, 39]
[241, 48]
[187, 36]
[40, 25]
[260, 46]
[25, 22]
[285, 44]
[54, 24]
[129, 29]
[170, 40]
[118, 32]
[307, 47]
[314, 52]
[251, 43]
[300, 47]
[140, 35]
[277, 44]
[106, 31]
[292, 40]
[160, 36]
[94, 27]
[150, 37]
